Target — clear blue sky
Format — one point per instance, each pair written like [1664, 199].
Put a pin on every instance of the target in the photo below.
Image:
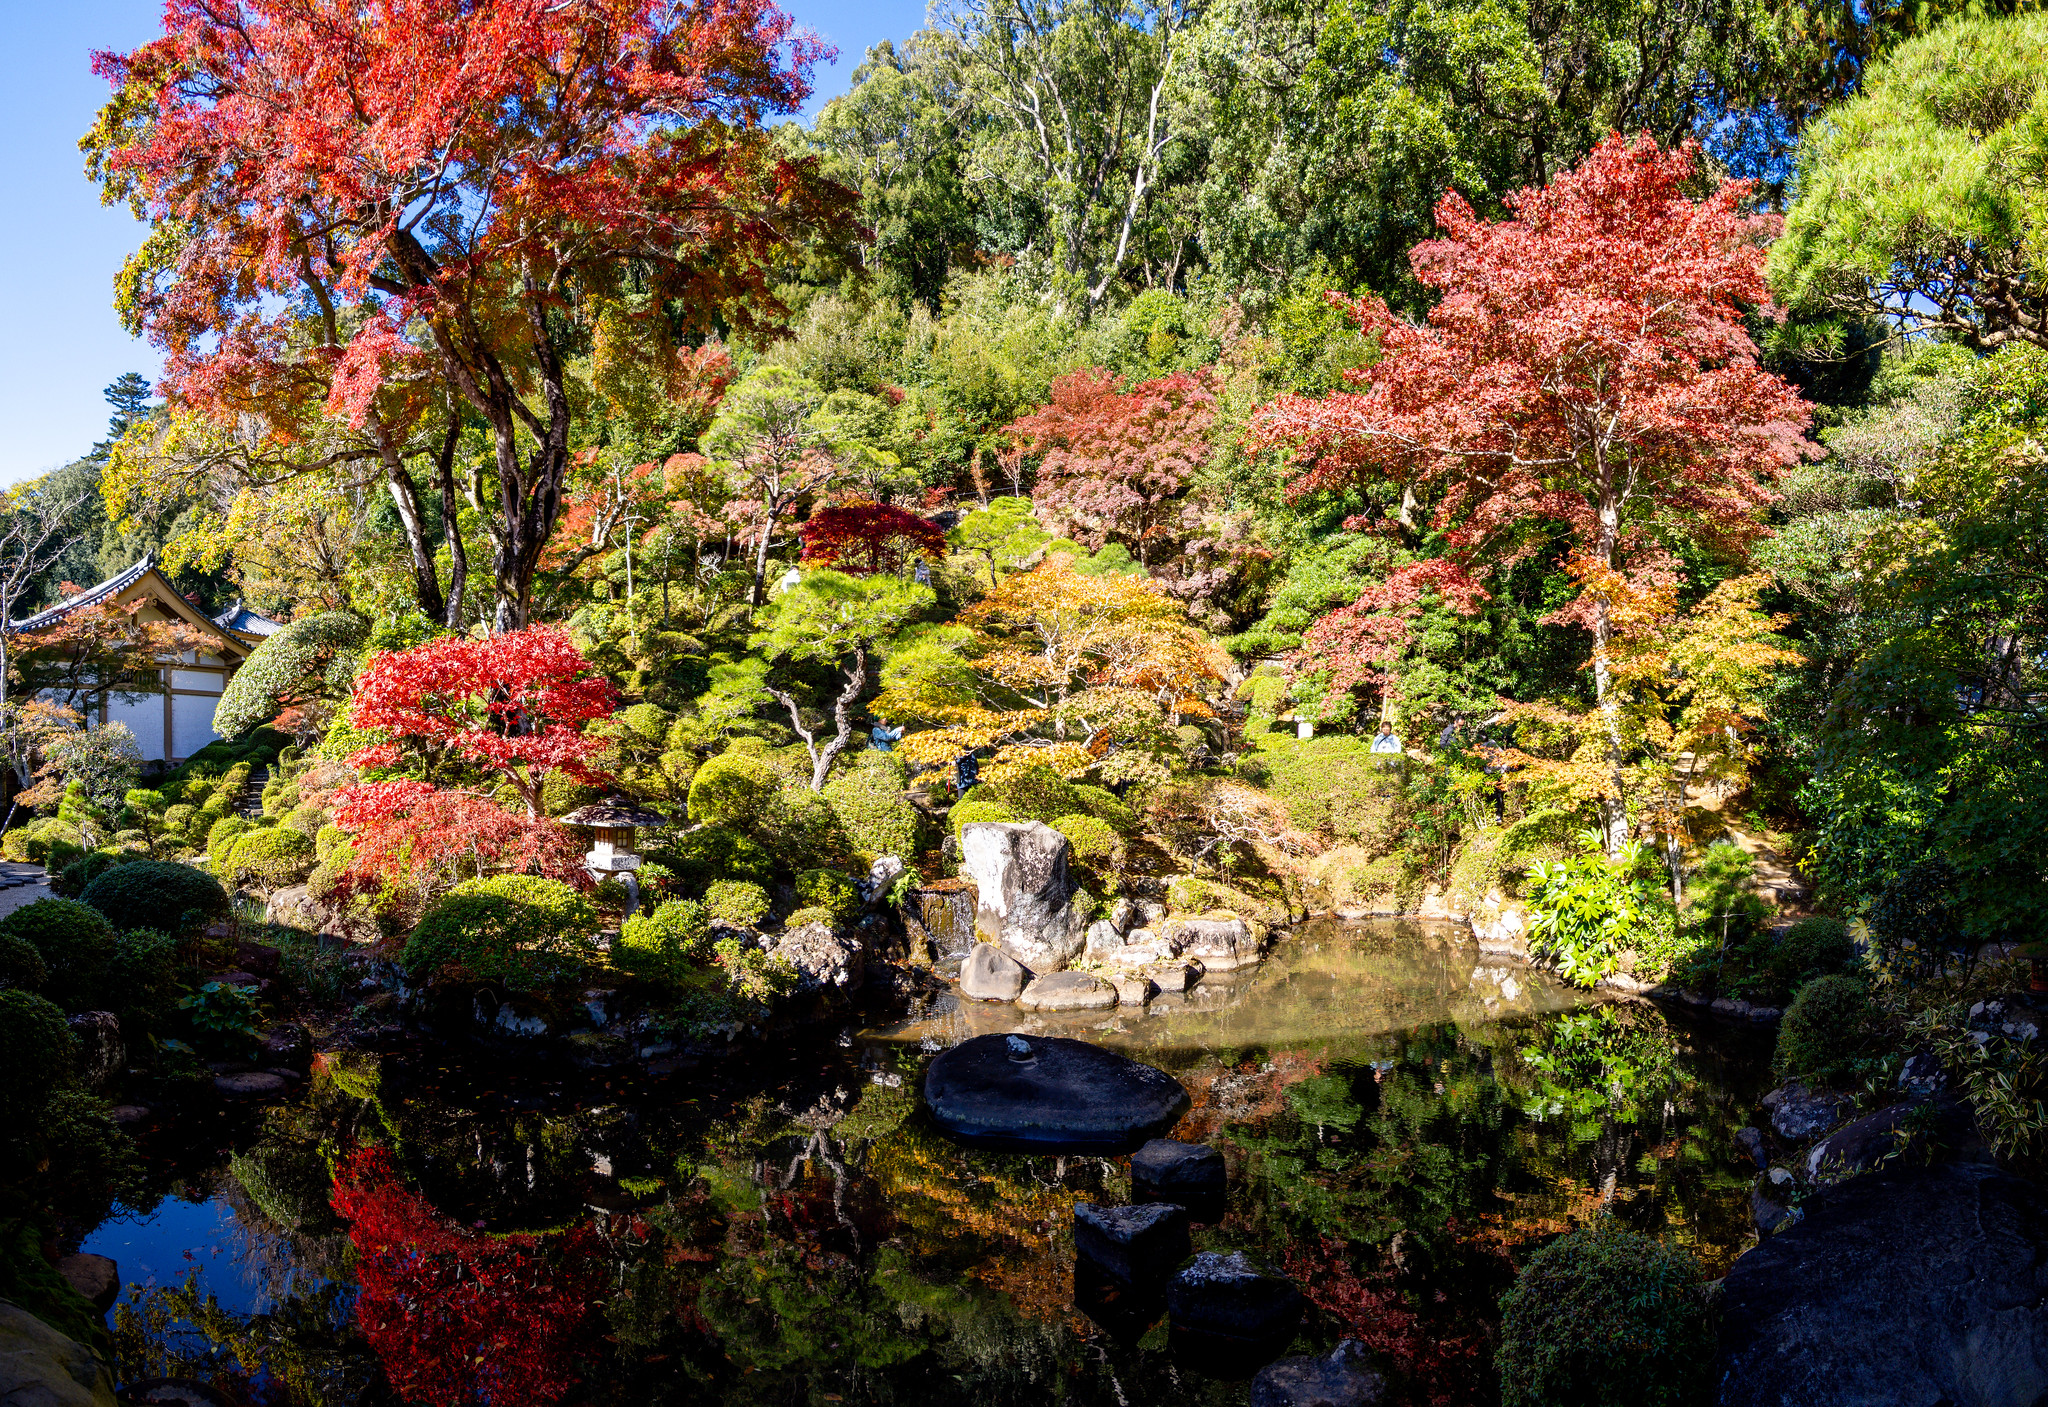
[59, 249]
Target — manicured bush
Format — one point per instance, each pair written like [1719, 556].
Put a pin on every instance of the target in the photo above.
[307, 818]
[1102, 804]
[1037, 794]
[178, 819]
[199, 790]
[666, 944]
[736, 903]
[518, 930]
[810, 915]
[326, 839]
[1826, 1030]
[878, 820]
[1190, 895]
[799, 828]
[37, 1053]
[732, 789]
[703, 857]
[1094, 843]
[269, 859]
[71, 881]
[75, 943]
[831, 891]
[21, 965]
[1818, 946]
[1606, 1317]
[157, 894]
[967, 813]
[221, 832]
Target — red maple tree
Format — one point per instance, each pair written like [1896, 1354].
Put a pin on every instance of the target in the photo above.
[1587, 364]
[1115, 464]
[514, 704]
[382, 208]
[1358, 643]
[419, 840]
[459, 1316]
[862, 539]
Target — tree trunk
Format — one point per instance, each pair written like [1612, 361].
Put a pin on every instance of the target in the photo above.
[1613, 810]
[451, 524]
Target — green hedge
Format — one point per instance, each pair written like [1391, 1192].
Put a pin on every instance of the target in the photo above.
[37, 1053]
[517, 930]
[736, 903]
[157, 894]
[76, 944]
[732, 789]
[1826, 1031]
[873, 812]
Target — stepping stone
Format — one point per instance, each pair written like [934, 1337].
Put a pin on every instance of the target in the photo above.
[1338, 1379]
[1137, 1245]
[1047, 1094]
[1190, 1174]
[1133, 991]
[252, 1084]
[1236, 1298]
[1068, 991]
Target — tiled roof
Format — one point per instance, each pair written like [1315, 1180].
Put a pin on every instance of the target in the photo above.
[241, 619]
[112, 586]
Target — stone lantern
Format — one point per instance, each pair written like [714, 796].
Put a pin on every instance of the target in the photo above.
[614, 824]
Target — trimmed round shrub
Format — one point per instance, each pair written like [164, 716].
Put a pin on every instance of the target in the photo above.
[270, 859]
[1190, 895]
[732, 789]
[71, 882]
[873, 812]
[306, 818]
[161, 895]
[831, 891]
[1825, 1030]
[200, 790]
[1038, 794]
[1816, 947]
[1101, 803]
[222, 831]
[37, 1052]
[665, 944]
[326, 839]
[966, 813]
[799, 828]
[703, 857]
[21, 966]
[1606, 1317]
[75, 943]
[1095, 844]
[178, 819]
[736, 903]
[518, 930]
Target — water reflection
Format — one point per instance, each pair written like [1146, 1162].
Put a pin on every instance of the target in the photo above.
[1395, 1121]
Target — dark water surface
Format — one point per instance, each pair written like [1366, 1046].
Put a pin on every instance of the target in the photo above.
[1401, 1120]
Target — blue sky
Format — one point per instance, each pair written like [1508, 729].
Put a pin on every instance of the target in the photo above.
[59, 249]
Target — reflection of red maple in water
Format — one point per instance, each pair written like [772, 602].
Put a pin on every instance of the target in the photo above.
[457, 1316]
[1441, 1359]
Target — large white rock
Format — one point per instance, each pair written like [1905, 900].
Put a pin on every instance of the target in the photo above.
[1219, 943]
[1025, 897]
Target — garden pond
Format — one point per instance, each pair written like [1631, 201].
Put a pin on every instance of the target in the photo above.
[1401, 1119]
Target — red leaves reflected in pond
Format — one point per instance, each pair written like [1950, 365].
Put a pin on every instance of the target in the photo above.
[458, 1316]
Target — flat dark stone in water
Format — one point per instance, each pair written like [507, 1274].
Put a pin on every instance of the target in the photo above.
[1046, 1094]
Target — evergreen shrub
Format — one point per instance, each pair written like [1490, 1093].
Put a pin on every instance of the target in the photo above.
[1827, 1029]
[221, 832]
[21, 966]
[871, 809]
[830, 891]
[665, 944]
[517, 930]
[1606, 1317]
[75, 943]
[703, 857]
[809, 915]
[967, 813]
[732, 789]
[1102, 804]
[157, 894]
[270, 859]
[736, 903]
[37, 1053]
[1037, 794]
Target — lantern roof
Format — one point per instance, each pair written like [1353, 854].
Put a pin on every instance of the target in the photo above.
[612, 812]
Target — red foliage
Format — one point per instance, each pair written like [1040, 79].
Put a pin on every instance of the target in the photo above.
[514, 703]
[368, 210]
[457, 1316]
[865, 538]
[1357, 643]
[1114, 463]
[413, 835]
[1588, 364]
[1437, 1363]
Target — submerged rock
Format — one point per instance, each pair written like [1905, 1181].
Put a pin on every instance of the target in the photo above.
[1230, 1314]
[992, 975]
[1068, 991]
[1024, 897]
[1137, 1245]
[1133, 990]
[1339, 1378]
[1920, 1285]
[1046, 1094]
[1220, 943]
[40, 1367]
[97, 1278]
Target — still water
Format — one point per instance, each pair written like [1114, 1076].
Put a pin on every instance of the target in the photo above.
[1401, 1121]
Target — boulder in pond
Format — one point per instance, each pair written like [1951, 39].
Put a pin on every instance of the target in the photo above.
[1339, 1378]
[826, 961]
[1230, 1315]
[992, 975]
[1138, 1245]
[253, 1084]
[96, 1278]
[1024, 896]
[1047, 1094]
[1798, 1113]
[1068, 991]
[101, 1052]
[1920, 1285]
[1220, 942]
[1133, 990]
[40, 1367]
[1167, 1170]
